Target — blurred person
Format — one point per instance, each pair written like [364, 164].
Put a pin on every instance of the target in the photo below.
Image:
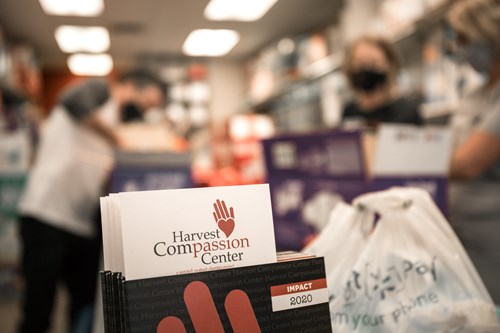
[475, 167]
[59, 209]
[372, 66]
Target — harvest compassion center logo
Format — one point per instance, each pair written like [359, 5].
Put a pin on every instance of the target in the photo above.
[209, 246]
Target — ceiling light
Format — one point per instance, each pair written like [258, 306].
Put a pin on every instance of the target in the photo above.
[73, 39]
[210, 43]
[237, 10]
[72, 7]
[90, 64]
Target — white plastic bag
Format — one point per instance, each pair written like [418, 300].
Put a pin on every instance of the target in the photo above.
[395, 265]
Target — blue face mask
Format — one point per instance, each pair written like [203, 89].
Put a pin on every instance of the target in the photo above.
[479, 55]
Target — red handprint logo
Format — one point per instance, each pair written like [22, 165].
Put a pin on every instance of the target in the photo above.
[203, 313]
[223, 217]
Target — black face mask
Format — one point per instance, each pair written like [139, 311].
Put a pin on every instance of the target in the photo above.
[131, 112]
[367, 80]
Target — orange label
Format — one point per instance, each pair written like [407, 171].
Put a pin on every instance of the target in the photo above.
[298, 287]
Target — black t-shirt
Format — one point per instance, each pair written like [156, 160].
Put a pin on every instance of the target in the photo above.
[404, 110]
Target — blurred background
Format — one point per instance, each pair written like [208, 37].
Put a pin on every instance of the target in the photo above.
[276, 72]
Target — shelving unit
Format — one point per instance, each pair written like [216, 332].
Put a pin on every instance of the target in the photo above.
[317, 71]
[410, 38]
[19, 77]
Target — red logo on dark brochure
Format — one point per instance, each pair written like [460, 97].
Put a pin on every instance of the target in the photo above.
[203, 313]
[224, 218]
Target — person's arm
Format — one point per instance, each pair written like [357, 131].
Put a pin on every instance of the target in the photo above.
[83, 103]
[478, 153]
[93, 122]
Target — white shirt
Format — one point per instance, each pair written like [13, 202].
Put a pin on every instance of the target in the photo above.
[70, 171]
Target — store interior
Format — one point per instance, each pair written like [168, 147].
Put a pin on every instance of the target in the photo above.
[266, 108]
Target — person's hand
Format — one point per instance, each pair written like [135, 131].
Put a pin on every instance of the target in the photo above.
[223, 217]
[204, 316]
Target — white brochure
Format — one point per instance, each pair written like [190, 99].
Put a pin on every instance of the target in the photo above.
[183, 231]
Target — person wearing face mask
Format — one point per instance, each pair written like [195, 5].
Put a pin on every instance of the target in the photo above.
[475, 166]
[371, 67]
[59, 215]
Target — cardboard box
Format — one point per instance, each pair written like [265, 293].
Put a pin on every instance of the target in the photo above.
[136, 171]
[310, 173]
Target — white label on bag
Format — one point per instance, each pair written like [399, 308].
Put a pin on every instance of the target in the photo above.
[298, 295]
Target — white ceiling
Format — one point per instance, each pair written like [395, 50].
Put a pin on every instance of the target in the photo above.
[156, 29]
